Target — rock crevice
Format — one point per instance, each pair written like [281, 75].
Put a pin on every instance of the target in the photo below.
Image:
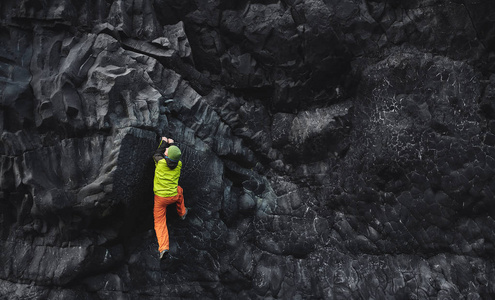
[331, 149]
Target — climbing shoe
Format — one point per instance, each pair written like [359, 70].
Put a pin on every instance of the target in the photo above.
[184, 216]
[163, 254]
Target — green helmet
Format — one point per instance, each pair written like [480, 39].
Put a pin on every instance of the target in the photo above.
[174, 153]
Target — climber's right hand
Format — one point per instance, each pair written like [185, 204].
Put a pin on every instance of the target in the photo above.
[167, 140]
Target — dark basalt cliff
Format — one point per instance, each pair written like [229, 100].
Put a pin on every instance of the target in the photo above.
[332, 149]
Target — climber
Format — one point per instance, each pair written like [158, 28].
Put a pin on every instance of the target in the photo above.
[167, 190]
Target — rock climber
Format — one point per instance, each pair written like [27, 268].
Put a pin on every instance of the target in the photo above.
[166, 187]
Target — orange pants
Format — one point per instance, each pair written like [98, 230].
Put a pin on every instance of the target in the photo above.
[160, 215]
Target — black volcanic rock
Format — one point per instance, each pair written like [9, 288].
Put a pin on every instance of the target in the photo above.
[331, 149]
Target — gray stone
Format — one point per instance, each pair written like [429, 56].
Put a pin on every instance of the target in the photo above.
[331, 149]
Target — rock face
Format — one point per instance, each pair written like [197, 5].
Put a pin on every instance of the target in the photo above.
[331, 149]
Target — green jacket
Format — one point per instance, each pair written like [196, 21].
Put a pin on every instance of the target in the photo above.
[167, 173]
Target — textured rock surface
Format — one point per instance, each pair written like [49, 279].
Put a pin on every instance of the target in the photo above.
[332, 149]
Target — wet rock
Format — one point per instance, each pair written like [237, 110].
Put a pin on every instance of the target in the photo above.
[331, 149]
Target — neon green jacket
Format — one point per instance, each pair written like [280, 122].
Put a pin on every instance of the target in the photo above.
[166, 173]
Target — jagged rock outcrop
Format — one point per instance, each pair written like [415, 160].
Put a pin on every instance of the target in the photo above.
[331, 149]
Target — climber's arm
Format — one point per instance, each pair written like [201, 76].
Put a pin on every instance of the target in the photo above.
[159, 152]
